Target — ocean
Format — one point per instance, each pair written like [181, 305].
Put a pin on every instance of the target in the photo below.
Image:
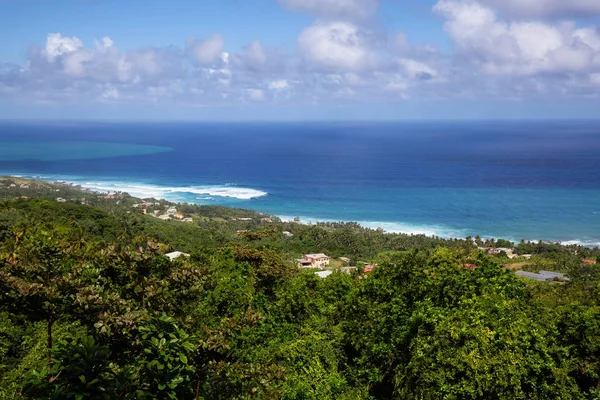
[536, 180]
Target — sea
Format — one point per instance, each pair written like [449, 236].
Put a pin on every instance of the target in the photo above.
[531, 180]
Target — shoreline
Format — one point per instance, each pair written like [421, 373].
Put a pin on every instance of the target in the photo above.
[233, 192]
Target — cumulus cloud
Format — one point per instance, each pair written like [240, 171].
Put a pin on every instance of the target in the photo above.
[518, 48]
[207, 51]
[359, 9]
[340, 46]
[56, 45]
[546, 8]
[335, 60]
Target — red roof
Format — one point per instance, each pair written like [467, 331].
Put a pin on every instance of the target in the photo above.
[589, 261]
[369, 268]
[470, 266]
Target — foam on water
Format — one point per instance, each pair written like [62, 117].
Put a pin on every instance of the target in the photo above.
[174, 193]
[390, 227]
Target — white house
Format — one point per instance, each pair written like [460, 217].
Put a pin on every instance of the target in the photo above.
[176, 254]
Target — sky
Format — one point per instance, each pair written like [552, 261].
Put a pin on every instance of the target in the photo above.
[236, 60]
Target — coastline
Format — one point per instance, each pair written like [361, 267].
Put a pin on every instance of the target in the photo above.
[233, 192]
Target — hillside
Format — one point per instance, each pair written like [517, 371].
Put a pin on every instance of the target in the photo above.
[91, 308]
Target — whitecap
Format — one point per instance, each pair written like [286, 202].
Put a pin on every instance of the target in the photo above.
[388, 227]
[172, 193]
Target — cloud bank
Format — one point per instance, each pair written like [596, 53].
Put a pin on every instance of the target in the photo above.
[501, 50]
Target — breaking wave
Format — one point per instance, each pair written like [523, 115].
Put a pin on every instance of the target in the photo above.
[172, 193]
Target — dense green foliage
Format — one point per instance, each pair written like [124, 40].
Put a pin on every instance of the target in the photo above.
[90, 308]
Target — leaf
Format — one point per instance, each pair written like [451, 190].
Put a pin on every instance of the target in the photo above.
[183, 358]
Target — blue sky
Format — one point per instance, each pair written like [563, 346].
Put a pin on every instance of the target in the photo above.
[299, 59]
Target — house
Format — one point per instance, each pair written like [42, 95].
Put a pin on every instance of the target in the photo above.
[323, 274]
[543, 276]
[303, 263]
[534, 276]
[369, 268]
[164, 217]
[319, 260]
[588, 261]
[176, 254]
[344, 259]
[495, 251]
[61, 200]
[288, 234]
[187, 220]
[268, 220]
[171, 210]
[178, 216]
[470, 266]
[554, 275]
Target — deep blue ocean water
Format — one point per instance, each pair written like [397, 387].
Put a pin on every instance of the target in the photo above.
[517, 180]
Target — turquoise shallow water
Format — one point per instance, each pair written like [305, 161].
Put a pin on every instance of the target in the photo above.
[535, 180]
[49, 151]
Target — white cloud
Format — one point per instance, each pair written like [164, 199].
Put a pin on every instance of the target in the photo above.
[334, 8]
[207, 51]
[518, 48]
[56, 45]
[256, 94]
[340, 46]
[279, 85]
[546, 8]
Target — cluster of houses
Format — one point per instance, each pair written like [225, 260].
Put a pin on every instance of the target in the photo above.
[171, 212]
[510, 253]
[320, 261]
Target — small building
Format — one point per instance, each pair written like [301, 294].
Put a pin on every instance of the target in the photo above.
[323, 274]
[303, 263]
[369, 268]
[61, 200]
[588, 261]
[172, 210]
[344, 259]
[288, 234]
[470, 266]
[178, 216]
[268, 220]
[555, 275]
[176, 254]
[188, 220]
[319, 260]
[164, 217]
[534, 276]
